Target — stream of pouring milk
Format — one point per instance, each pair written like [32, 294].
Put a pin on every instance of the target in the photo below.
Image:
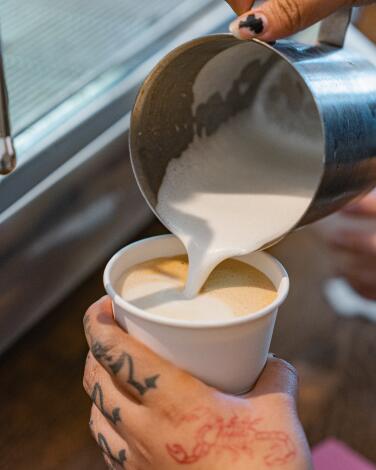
[246, 185]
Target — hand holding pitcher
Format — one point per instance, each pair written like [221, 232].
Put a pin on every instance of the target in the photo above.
[275, 19]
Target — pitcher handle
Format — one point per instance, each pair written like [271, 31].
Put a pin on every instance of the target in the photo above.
[334, 28]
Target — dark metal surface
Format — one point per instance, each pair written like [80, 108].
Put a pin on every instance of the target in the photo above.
[343, 91]
[71, 222]
[334, 28]
[344, 87]
[7, 152]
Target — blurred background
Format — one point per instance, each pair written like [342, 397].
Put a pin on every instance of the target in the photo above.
[73, 69]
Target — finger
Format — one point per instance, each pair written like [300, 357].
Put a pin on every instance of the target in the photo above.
[278, 378]
[358, 269]
[345, 262]
[108, 440]
[355, 242]
[365, 207]
[364, 276]
[134, 368]
[240, 6]
[121, 411]
[361, 277]
[367, 291]
[275, 19]
[111, 465]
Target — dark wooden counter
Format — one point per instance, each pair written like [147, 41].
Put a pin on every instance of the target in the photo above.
[45, 412]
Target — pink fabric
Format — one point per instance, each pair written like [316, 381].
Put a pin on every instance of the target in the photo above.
[335, 455]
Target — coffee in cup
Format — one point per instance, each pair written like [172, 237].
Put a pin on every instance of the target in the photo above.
[233, 289]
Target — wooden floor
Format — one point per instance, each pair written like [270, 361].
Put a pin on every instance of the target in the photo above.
[45, 412]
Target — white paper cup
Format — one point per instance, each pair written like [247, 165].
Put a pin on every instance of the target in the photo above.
[228, 355]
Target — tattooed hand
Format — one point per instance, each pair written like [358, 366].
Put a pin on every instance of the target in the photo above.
[149, 415]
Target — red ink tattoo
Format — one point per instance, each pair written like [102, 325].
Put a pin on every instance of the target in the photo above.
[235, 435]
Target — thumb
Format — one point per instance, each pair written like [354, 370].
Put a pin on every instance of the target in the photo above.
[278, 377]
[275, 19]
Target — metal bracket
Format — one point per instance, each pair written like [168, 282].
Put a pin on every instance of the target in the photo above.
[7, 152]
[334, 28]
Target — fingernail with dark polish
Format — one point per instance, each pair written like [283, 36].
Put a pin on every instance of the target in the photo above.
[256, 25]
[248, 26]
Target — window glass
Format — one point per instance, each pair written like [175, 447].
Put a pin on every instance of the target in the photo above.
[53, 48]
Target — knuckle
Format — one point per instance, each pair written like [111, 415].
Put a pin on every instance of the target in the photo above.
[92, 423]
[107, 354]
[95, 418]
[89, 312]
[92, 312]
[103, 347]
[292, 370]
[288, 368]
[85, 384]
[289, 13]
[90, 374]
[86, 320]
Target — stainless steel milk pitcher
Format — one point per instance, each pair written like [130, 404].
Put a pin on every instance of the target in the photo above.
[342, 92]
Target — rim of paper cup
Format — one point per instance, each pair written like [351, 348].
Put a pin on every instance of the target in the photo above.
[155, 318]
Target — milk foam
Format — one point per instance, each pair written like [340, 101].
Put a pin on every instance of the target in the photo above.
[169, 302]
[234, 289]
[230, 193]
